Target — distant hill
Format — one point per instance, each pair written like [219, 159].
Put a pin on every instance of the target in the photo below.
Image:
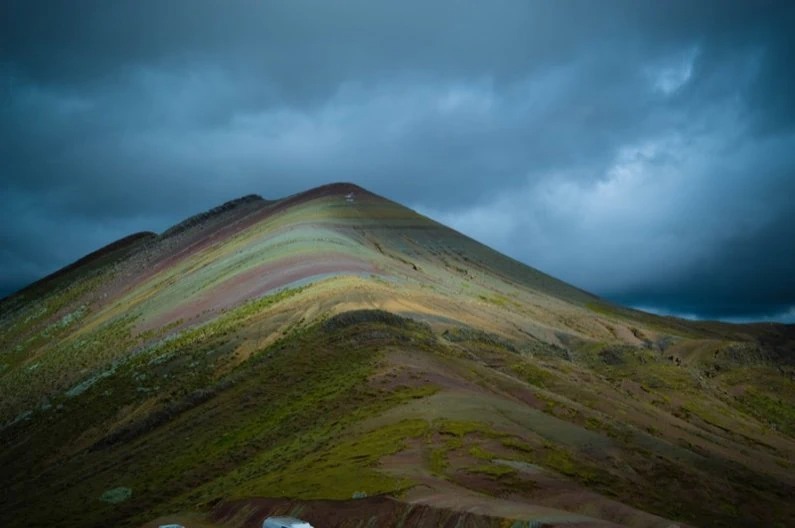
[294, 356]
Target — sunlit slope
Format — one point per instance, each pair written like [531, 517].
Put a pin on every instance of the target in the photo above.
[336, 343]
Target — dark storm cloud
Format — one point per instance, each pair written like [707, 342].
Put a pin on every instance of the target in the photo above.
[641, 150]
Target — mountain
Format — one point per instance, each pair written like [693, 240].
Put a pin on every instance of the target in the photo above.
[337, 356]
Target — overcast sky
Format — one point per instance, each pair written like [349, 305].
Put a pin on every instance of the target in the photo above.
[644, 151]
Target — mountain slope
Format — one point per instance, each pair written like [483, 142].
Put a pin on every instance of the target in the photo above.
[334, 342]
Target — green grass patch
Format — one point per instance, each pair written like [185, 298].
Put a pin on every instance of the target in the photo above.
[460, 428]
[499, 300]
[517, 444]
[559, 459]
[438, 460]
[532, 373]
[478, 452]
[338, 472]
[774, 411]
[492, 470]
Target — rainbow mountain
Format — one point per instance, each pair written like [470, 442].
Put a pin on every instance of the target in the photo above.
[337, 356]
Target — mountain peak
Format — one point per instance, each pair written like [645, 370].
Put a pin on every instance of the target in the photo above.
[337, 188]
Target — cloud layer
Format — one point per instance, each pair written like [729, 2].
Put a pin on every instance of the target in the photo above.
[643, 151]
